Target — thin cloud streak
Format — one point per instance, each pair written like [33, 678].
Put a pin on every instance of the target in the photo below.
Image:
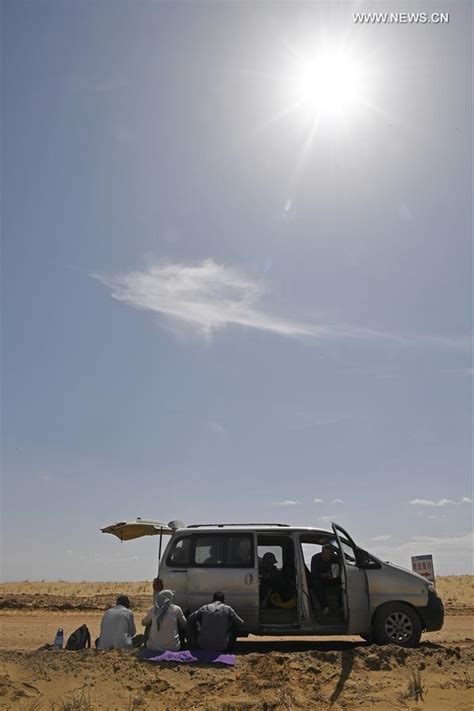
[287, 502]
[217, 428]
[452, 554]
[382, 537]
[208, 296]
[440, 502]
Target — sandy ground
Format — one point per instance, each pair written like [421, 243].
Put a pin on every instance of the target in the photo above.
[270, 673]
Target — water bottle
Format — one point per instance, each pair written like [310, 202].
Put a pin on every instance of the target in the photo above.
[59, 639]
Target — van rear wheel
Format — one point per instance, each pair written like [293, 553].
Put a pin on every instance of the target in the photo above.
[397, 623]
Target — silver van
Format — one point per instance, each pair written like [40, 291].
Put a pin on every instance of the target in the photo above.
[377, 600]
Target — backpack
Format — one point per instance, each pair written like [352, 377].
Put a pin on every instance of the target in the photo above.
[80, 639]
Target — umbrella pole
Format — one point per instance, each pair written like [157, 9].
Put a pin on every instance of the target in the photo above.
[159, 550]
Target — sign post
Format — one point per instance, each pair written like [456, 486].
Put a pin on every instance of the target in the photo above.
[423, 565]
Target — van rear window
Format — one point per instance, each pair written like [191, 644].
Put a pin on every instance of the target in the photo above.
[229, 550]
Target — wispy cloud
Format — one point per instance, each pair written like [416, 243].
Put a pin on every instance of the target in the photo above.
[209, 296]
[382, 537]
[328, 518]
[217, 428]
[287, 502]
[45, 477]
[452, 554]
[337, 501]
[440, 502]
[318, 501]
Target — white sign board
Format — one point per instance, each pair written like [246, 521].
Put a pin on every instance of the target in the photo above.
[423, 565]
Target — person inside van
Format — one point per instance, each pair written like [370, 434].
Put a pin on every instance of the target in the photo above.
[270, 578]
[214, 627]
[165, 621]
[117, 627]
[323, 566]
[243, 553]
[215, 557]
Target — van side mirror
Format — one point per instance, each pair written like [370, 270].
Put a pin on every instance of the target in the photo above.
[364, 560]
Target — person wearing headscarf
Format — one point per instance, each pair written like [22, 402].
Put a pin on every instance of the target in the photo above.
[165, 621]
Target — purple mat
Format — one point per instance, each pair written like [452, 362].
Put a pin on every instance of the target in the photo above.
[187, 657]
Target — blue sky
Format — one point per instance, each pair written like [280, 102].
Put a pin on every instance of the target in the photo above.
[220, 307]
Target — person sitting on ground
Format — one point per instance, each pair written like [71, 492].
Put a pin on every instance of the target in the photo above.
[157, 585]
[322, 577]
[215, 626]
[165, 621]
[270, 578]
[117, 627]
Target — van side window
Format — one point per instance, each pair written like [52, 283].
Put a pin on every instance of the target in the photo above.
[178, 556]
[209, 550]
[348, 552]
[228, 550]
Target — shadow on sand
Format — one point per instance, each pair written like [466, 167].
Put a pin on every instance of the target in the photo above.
[257, 646]
[347, 661]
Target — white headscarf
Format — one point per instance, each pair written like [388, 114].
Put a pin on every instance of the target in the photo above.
[163, 601]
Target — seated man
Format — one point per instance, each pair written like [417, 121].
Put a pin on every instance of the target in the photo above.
[218, 625]
[117, 626]
[243, 553]
[270, 578]
[322, 577]
[164, 623]
[215, 556]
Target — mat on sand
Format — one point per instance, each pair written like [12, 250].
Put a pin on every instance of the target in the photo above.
[186, 657]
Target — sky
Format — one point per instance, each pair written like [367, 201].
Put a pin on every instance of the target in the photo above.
[237, 278]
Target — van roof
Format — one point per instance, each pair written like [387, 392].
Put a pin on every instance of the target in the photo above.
[283, 527]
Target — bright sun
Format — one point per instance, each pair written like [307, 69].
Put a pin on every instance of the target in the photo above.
[328, 84]
[325, 88]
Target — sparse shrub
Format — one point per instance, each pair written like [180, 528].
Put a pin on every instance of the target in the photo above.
[416, 689]
[79, 701]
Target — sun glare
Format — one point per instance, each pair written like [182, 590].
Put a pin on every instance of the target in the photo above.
[328, 84]
[325, 88]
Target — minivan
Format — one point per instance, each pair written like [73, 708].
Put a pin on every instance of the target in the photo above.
[377, 600]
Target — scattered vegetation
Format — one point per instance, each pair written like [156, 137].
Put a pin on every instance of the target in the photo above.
[416, 689]
[80, 700]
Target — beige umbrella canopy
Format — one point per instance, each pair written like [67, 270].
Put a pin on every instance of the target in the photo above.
[128, 530]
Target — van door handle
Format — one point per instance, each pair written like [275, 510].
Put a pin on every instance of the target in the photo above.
[249, 578]
[179, 571]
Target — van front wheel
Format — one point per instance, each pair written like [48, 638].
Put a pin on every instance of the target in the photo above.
[397, 623]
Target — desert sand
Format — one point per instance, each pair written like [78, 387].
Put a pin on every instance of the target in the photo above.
[271, 674]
